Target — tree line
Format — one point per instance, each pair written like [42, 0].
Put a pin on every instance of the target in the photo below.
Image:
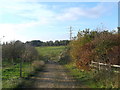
[37, 43]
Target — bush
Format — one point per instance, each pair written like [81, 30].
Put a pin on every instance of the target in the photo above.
[64, 57]
[81, 48]
[106, 48]
[95, 46]
[37, 64]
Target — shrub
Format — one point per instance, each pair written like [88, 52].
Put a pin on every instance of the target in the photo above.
[81, 49]
[64, 57]
[106, 48]
[113, 55]
[37, 64]
[95, 46]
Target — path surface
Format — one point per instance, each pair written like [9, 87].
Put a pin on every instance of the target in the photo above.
[54, 76]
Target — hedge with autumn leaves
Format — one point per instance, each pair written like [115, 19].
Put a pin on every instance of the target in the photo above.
[99, 46]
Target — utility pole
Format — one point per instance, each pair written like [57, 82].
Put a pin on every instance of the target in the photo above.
[70, 33]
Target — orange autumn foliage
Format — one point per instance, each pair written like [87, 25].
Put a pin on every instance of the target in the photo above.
[100, 47]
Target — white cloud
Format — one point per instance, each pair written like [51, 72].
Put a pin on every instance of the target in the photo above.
[70, 14]
[35, 11]
[75, 13]
[96, 11]
[41, 14]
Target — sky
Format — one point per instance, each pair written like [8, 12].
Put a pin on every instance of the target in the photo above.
[25, 21]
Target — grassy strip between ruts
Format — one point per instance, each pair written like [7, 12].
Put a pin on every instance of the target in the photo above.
[11, 76]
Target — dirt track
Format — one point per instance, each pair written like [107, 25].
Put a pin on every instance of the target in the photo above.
[54, 76]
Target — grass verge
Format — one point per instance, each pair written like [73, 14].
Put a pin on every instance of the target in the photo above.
[83, 77]
[11, 76]
[94, 79]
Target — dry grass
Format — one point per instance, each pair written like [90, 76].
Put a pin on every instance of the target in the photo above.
[38, 64]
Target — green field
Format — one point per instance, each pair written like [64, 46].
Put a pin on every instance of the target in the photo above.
[51, 52]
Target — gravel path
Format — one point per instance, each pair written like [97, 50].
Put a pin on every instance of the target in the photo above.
[54, 76]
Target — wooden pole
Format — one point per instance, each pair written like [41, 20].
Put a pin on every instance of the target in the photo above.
[21, 68]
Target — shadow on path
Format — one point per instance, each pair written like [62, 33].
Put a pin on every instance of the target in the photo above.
[53, 76]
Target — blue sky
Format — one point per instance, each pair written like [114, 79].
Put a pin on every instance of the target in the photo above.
[25, 21]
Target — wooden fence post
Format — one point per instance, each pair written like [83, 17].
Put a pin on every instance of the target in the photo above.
[20, 67]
